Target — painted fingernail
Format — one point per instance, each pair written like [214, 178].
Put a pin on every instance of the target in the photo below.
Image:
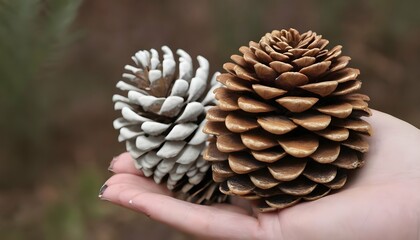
[102, 190]
[111, 165]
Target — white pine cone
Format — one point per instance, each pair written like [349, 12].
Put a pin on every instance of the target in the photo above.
[163, 114]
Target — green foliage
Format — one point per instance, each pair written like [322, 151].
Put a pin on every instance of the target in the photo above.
[70, 216]
[69, 210]
[32, 33]
[64, 221]
[228, 33]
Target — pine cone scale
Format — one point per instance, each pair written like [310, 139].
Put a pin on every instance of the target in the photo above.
[276, 124]
[288, 168]
[242, 163]
[322, 89]
[338, 182]
[302, 146]
[299, 187]
[270, 156]
[312, 122]
[320, 173]
[263, 179]
[327, 152]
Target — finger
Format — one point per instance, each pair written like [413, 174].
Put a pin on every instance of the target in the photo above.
[124, 180]
[203, 221]
[231, 208]
[124, 163]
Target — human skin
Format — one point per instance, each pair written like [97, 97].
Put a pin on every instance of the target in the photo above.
[380, 201]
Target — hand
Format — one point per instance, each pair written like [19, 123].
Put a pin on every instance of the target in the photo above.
[381, 201]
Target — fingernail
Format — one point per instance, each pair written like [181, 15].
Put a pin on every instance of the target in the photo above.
[111, 165]
[102, 190]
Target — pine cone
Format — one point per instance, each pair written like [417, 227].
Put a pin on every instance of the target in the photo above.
[162, 120]
[287, 126]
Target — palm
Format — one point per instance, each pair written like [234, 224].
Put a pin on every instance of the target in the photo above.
[382, 202]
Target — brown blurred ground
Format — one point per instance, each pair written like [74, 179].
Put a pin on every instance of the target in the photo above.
[49, 184]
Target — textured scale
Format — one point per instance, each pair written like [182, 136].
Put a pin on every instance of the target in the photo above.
[287, 124]
[162, 117]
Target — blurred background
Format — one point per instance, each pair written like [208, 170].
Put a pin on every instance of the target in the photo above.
[60, 61]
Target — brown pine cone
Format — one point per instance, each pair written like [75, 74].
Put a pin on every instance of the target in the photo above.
[287, 125]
